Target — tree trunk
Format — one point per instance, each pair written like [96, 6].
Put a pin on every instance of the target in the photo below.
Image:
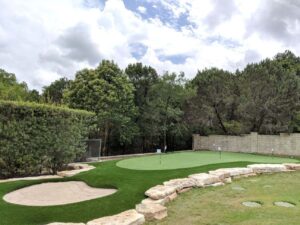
[106, 132]
[260, 122]
[143, 143]
[220, 120]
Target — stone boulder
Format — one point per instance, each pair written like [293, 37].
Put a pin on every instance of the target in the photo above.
[162, 201]
[222, 174]
[184, 190]
[171, 197]
[267, 168]
[181, 183]
[129, 217]
[204, 179]
[292, 166]
[76, 166]
[216, 184]
[160, 191]
[236, 172]
[80, 168]
[227, 180]
[152, 211]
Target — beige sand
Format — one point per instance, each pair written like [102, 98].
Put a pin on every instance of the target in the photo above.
[56, 193]
[30, 178]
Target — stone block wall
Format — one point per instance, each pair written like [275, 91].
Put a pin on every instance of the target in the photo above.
[283, 144]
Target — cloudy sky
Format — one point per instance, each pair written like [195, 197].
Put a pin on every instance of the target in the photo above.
[43, 40]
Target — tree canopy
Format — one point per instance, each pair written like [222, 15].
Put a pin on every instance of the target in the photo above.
[107, 92]
[11, 89]
[139, 110]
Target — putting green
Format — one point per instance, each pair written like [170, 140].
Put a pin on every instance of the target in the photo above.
[192, 159]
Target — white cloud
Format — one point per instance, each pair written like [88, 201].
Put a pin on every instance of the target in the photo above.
[43, 40]
[142, 9]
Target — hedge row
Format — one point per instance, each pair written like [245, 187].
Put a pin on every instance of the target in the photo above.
[37, 138]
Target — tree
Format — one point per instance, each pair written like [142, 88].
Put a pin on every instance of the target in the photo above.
[106, 91]
[54, 92]
[166, 100]
[269, 97]
[288, 61]
[143, 78]
[33, 96]
[215, 102]
[10, 89]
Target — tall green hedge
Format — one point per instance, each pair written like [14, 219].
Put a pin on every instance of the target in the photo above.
[37, 138]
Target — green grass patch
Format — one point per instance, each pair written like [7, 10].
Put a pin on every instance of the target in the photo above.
[131, 185]
[223, 205]
[193, 159]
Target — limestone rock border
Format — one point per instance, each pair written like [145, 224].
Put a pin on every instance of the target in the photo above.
[152, 208]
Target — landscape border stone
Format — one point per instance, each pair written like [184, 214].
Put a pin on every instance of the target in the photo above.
[153, 206]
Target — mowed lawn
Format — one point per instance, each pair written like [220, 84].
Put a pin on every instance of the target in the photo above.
[131, 185]
[223, 205]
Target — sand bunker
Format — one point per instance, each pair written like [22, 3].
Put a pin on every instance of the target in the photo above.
[56, 193]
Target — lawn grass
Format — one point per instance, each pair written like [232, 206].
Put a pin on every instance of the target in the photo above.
[131, 185]
[222, 205]
[192, 159]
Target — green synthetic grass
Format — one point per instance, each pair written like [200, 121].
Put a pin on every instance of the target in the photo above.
[131, 185]
[223, 205]
[192, 159]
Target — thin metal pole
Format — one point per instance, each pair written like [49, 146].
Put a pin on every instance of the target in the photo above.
[160, 158]
[99, 153]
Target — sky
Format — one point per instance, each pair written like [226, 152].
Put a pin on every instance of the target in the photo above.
[44, 40]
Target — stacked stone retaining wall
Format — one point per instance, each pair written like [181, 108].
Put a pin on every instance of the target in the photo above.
[283, 144]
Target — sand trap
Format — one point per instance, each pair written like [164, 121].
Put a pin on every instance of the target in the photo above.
[56, 193]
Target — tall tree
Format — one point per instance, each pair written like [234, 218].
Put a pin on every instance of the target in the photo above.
[288, 61]
[106, 91]
[142, 77]
[11, 89]
[269, 96]
[214, 104]
[166, 106]
[33, 96]
[54, 92]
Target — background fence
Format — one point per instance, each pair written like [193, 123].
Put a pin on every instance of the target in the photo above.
[283, 144]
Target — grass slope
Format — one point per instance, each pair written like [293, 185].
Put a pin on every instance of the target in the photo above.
[131, 186]
[222, 205]
[192, 159]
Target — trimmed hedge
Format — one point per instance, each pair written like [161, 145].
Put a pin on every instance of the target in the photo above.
[37, 138]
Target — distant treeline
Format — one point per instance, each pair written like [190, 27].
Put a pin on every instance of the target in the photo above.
[138, 110]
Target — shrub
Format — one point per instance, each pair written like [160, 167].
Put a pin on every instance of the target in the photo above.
[37, 138]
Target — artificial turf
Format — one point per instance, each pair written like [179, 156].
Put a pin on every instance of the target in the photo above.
[223, 205]
[131, 185]
[192, 159]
